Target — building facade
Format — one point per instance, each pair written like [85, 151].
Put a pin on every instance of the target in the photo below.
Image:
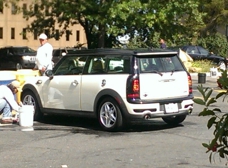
[13, 30]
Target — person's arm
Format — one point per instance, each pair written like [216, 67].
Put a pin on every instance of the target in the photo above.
[8, 95]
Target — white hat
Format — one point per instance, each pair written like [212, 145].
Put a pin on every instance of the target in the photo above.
[43, 36]
[16, 84]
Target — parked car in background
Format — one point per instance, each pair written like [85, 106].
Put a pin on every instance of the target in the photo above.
[116, 86]
[200, 53]
[17, 57]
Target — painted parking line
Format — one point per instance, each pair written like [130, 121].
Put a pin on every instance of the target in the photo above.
[219, 90]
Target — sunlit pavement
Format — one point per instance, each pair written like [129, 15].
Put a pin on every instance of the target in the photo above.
[210, 82]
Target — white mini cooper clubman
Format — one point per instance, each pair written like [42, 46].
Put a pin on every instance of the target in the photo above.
[117, 86]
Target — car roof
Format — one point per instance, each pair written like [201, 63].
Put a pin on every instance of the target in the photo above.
[15, 47]
[113, 51]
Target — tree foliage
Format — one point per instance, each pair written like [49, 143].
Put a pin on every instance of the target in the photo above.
[215, 43]
[178, 22]
[104, 20]
[216, 15]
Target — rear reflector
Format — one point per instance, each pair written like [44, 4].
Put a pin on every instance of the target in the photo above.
[190, 84]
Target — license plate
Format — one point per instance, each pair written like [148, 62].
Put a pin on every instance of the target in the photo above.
[171, 108]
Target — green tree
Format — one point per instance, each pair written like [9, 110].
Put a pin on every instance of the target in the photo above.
[176, 22]
[104, 20]
[216, 15]
[216, 43]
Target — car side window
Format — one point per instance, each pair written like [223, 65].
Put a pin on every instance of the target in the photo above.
[70, 66]
[11, 51]
[117, 64]
[96, 65]
[203, 51]
[109, 64]
[192, 50]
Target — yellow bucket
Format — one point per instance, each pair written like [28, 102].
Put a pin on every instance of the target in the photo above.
[22, 75]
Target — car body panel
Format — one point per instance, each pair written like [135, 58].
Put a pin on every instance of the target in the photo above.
[62, 92]
[172, 85]
[92, 85]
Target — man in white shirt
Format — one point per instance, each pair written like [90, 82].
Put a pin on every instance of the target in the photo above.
[8, 102]
[44, 55]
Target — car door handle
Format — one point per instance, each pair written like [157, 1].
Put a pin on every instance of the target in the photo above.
[75, 83]
[39, 82]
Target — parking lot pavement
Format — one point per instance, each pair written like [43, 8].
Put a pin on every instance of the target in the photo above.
[210, 82]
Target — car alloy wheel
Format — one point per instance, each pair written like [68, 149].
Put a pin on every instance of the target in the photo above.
[110, 117]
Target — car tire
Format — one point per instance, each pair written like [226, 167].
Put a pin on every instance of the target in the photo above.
[222, 65]
[28, 98]
[18, 66]
[174, 120]
[109, 115]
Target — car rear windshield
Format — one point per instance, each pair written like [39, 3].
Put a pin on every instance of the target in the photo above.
[160, 64]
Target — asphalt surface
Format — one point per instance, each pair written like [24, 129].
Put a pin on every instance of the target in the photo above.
[210, 82]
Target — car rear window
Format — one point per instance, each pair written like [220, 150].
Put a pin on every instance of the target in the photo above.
[160, 64]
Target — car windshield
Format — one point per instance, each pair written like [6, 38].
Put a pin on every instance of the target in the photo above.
[23, 50]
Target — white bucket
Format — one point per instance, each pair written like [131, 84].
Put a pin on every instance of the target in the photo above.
[26, 114]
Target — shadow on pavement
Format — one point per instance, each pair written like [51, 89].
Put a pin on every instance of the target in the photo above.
[91, 125]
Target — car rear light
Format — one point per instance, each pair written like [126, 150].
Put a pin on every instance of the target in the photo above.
[134, 89]
[190, 84]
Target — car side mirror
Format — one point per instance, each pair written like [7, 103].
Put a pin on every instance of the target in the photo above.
[50, 74]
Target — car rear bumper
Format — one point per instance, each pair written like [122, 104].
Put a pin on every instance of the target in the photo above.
[156, 110]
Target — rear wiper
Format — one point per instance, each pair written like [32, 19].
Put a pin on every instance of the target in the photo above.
[154, 71]
[175, 71]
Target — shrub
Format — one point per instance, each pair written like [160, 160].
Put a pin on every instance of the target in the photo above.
[202, 65]
[218, 120]
[216, 43]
